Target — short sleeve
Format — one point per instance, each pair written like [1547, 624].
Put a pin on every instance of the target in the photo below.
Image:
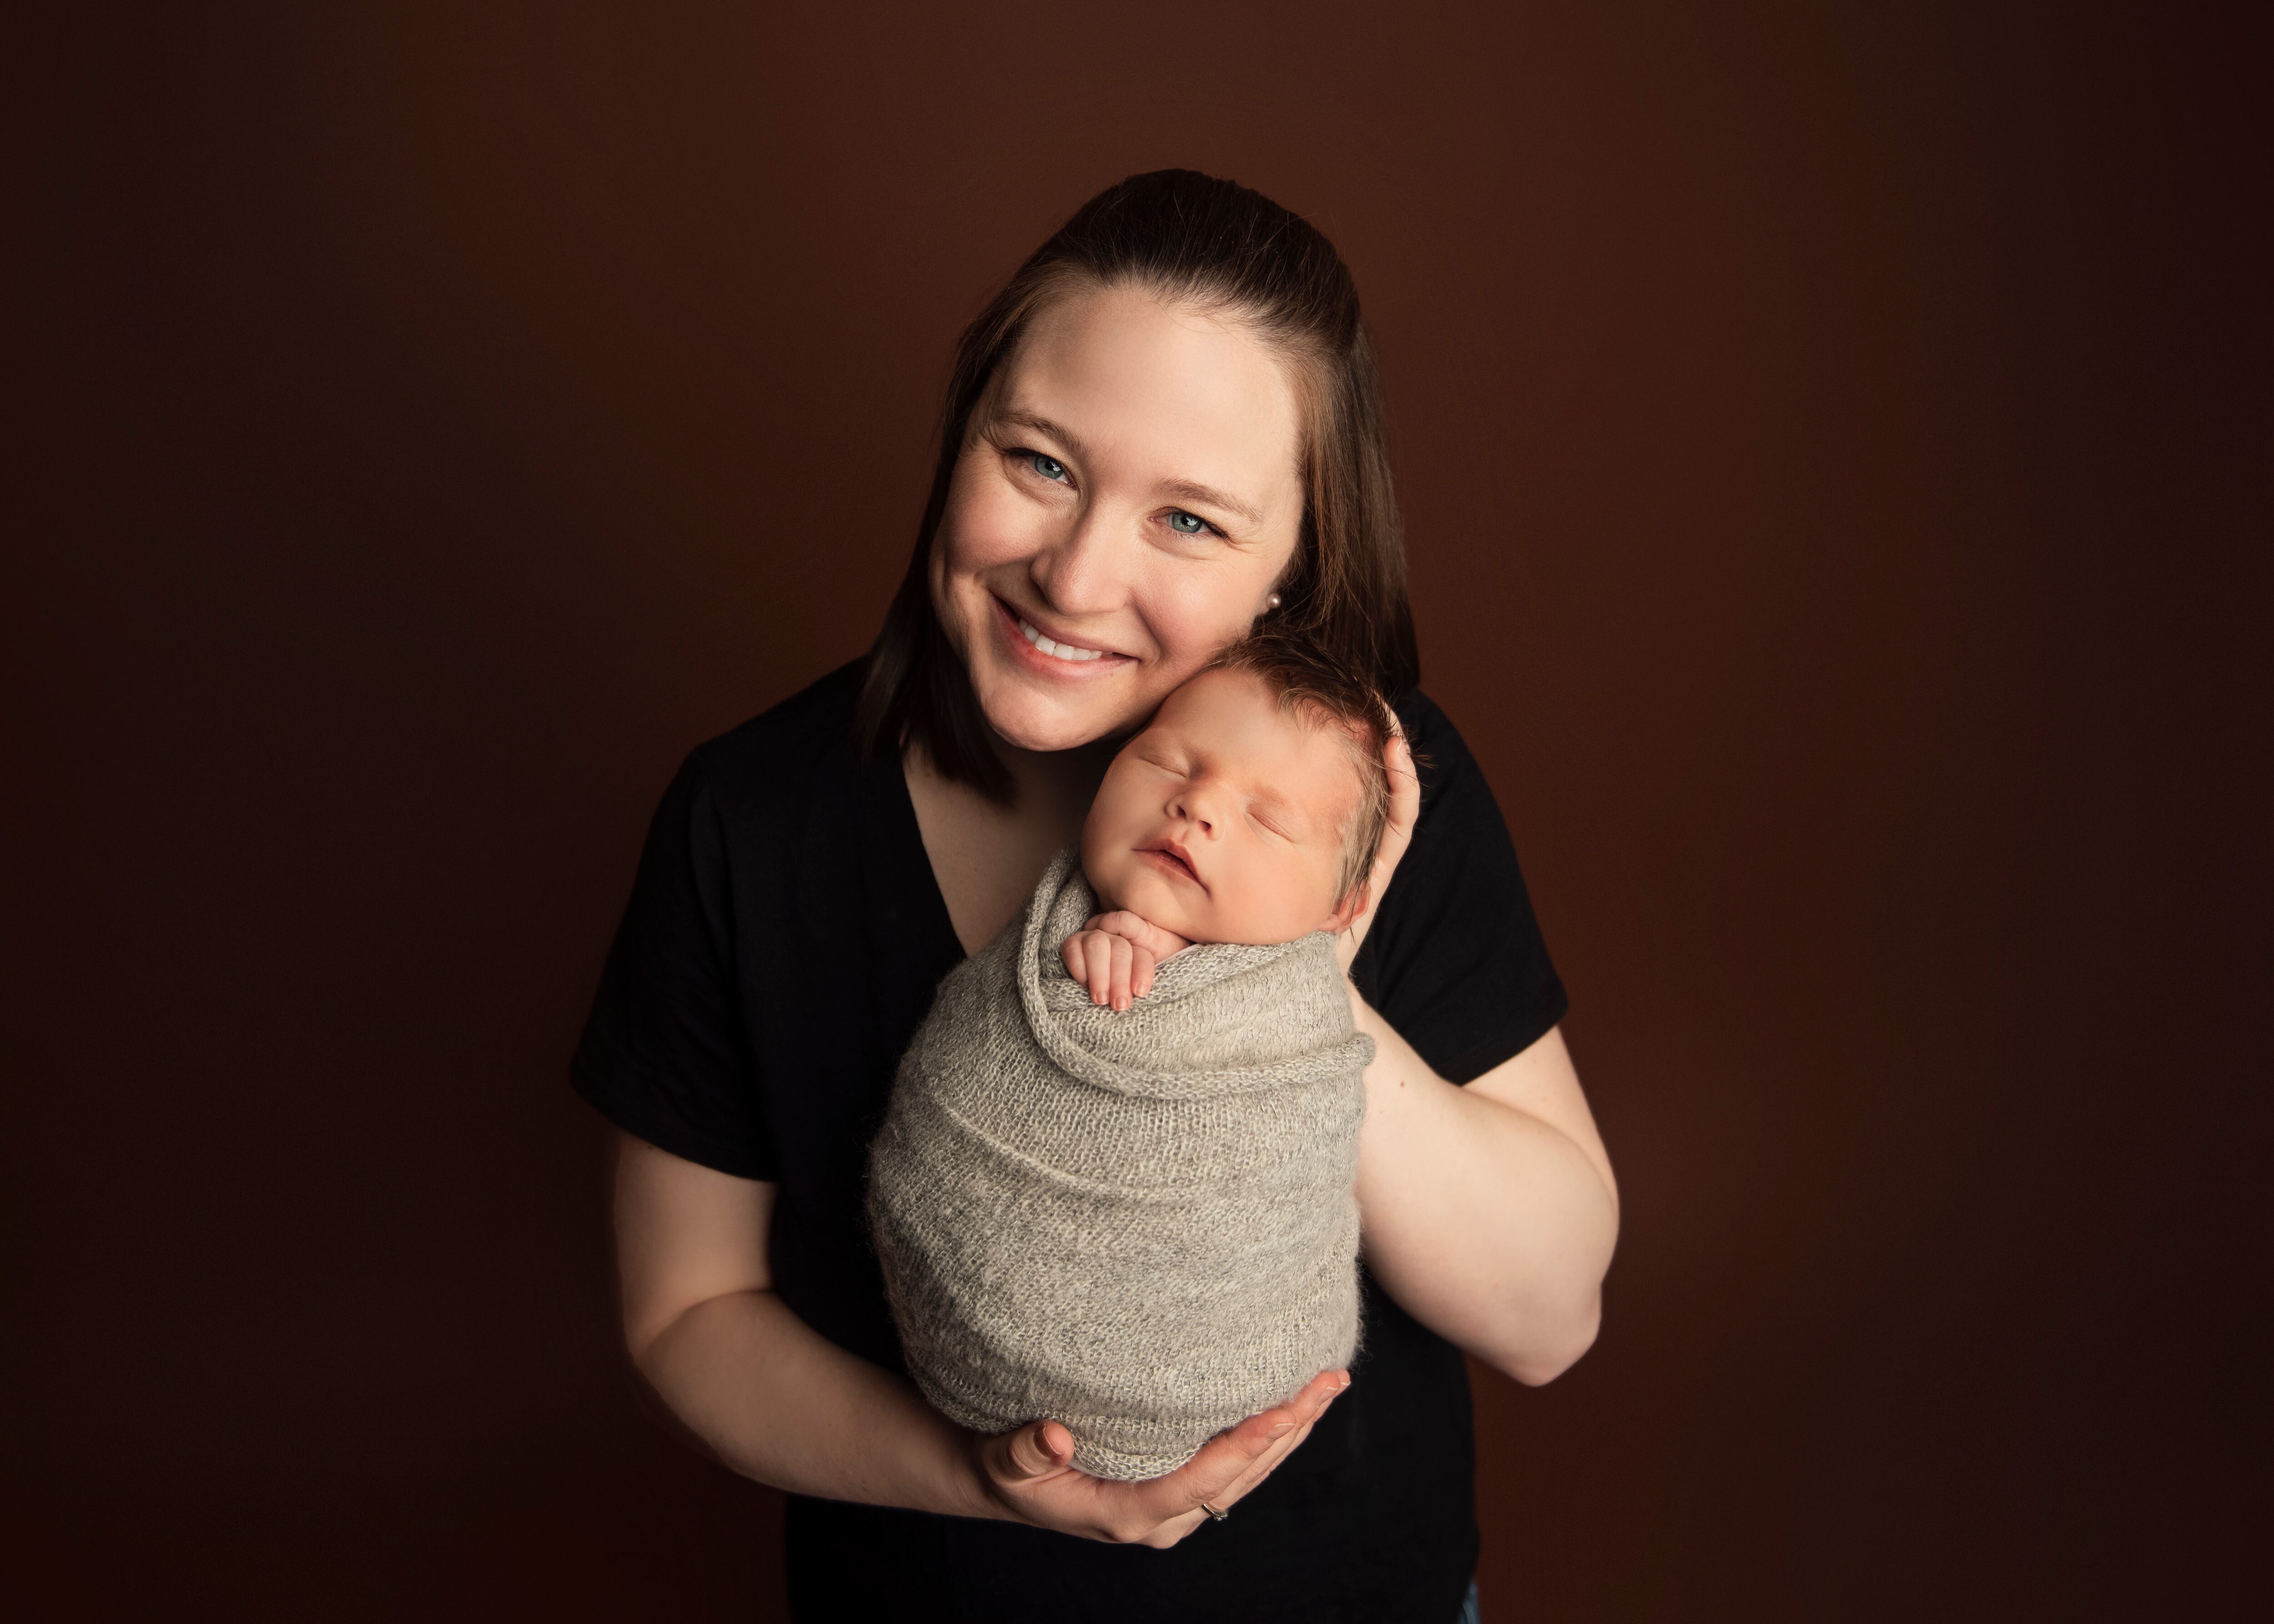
[665, 1056]
[1455, 960]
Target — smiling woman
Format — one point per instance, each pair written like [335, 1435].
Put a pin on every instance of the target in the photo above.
[1072, 577]
[1165, 430]
[1171, 411]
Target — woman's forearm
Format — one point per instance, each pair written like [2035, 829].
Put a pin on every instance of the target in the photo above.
[777, 1401]
[1490, 1224]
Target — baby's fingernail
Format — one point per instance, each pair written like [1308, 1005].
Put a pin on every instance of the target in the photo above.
[1283, 1429]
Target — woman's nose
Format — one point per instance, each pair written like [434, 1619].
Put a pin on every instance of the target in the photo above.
[1083, 571]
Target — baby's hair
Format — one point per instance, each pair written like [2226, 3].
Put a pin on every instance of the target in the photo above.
[1312, 688]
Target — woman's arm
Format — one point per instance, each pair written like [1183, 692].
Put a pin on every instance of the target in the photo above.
[1489, 1211]
[772, 1398]
[776, 1400]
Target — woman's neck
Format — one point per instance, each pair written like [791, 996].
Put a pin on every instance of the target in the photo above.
[987, 856]
[1048, 784]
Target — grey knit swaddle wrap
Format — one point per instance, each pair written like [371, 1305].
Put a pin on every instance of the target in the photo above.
[1139, 1223]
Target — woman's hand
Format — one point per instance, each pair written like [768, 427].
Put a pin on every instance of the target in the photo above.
[1029, 1473]
[1397, 835]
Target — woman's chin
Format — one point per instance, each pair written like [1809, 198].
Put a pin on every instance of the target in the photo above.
[1026, 719]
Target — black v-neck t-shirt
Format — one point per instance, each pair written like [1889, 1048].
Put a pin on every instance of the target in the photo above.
[784, 939]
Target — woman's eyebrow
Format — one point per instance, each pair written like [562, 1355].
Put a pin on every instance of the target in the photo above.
[1208, 496]
[1041, 426]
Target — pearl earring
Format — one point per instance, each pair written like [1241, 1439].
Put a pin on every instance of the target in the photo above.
[1271, 601]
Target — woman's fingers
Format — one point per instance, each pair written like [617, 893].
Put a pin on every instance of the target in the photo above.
[1032, 1471]
[1263, 1466]
[1175, 1529]
[1037, 1449]
[1397, 835]
[1303, 1411]
[1234, 1461]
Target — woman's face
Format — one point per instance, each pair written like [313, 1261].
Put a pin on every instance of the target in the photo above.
[1128, 495]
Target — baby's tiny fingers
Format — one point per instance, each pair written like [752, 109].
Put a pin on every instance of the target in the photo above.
[1122, 955]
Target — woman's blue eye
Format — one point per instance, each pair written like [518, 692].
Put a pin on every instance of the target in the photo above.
[1048, 467]
[1187, 524]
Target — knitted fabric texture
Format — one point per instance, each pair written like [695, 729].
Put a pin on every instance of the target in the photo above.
[1142, 1223]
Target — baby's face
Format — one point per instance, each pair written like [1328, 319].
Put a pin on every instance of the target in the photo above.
[1223, 820]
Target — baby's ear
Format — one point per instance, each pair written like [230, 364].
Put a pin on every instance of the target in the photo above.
[1349, 910]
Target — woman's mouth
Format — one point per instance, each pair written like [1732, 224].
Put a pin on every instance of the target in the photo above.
[1056, 650]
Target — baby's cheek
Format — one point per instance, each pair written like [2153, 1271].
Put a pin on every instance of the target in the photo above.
[1238, 909]
[1108, 882]
[1292, 901]
[1097, 855]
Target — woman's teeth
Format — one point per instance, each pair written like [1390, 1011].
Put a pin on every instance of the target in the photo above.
[1057, 650]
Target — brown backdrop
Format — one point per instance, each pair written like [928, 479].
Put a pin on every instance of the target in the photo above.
[1819, 426]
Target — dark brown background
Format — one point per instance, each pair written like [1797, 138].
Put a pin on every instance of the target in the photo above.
[1822, 430]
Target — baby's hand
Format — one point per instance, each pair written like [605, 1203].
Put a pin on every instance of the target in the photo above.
[1114, 955]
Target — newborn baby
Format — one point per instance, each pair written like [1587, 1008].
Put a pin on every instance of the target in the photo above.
[1114, 1183]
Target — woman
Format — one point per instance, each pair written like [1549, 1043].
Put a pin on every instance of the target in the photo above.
[1166, 427]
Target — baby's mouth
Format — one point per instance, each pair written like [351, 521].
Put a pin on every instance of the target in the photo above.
[1173, 857]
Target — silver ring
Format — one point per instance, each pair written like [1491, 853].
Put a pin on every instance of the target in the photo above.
[1212, 1511]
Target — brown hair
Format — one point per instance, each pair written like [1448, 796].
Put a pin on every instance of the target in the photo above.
[1192, 238]
[1312, 687]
